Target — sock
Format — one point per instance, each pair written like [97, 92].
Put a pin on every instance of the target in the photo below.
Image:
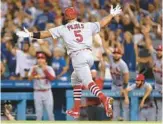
[77, 89]
[96, 91]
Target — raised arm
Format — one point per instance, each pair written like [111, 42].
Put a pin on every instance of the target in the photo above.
[132, 16]
[106, 49]
[37, 35]
[148, 40]
[113, 12]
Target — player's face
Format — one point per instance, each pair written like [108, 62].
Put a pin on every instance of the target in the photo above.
[139, 83]
[41, 61]
[116, 56]
[159, 54]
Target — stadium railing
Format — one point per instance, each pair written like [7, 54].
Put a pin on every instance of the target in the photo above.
[22, 97]
[55, 84]
[133, 95]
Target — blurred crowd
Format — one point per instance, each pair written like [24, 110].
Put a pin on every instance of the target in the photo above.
[127, 30]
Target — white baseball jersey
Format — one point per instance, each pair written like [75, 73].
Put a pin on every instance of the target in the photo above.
[43, 83]
[158, 64]
[117, 71]
[76, 35]
[149, 101]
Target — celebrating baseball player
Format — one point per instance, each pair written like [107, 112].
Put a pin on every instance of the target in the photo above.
[157, 71]
[78, 41]
[120, 76]
[147, 107]
[42, 75]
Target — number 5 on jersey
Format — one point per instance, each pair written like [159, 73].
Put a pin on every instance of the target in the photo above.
[78, 35]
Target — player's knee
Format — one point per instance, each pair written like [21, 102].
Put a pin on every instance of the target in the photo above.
[86, 82]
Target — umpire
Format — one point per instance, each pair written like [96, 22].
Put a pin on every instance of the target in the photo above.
[42, 75]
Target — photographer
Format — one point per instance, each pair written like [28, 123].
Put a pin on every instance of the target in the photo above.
[6, 112]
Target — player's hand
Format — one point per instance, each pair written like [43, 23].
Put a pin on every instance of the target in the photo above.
[24, 33]
[141, 104]
[122, 92]
[126, 101]
[43, 65]
[115, 11]
[37, 76]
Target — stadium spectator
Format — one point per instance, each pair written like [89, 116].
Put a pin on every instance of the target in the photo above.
[97, 50]
[30, 8]
[2, 69]
[128, 20]
[42, 19]
[143, 58]
[58, 20]
[25, 59]
[11, 61]
[129, 54]
[59, 64]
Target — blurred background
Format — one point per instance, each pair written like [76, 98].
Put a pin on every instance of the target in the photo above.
[37, 15]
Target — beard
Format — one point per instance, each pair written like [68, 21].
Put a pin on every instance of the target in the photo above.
[139, 86]
[159, 57]
[116, 59]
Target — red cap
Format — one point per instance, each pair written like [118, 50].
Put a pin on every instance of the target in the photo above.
[70, 13]
[117, 50]
[159, 48]
[140, 77]
[41, 55]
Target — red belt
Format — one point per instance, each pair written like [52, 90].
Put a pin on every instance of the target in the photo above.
[80, 50]
[41, 90]
[146, 107]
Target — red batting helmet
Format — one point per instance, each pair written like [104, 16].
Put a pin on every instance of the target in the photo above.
[70, 13]
[140, 77]
[159, 48]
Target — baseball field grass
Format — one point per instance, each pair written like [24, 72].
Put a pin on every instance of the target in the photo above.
[78, 122]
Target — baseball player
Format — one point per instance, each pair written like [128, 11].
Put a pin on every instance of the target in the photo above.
[77, 37]
[120, 76]
[42, 75]
[147, 108]
[157, 71]
[92, 109]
